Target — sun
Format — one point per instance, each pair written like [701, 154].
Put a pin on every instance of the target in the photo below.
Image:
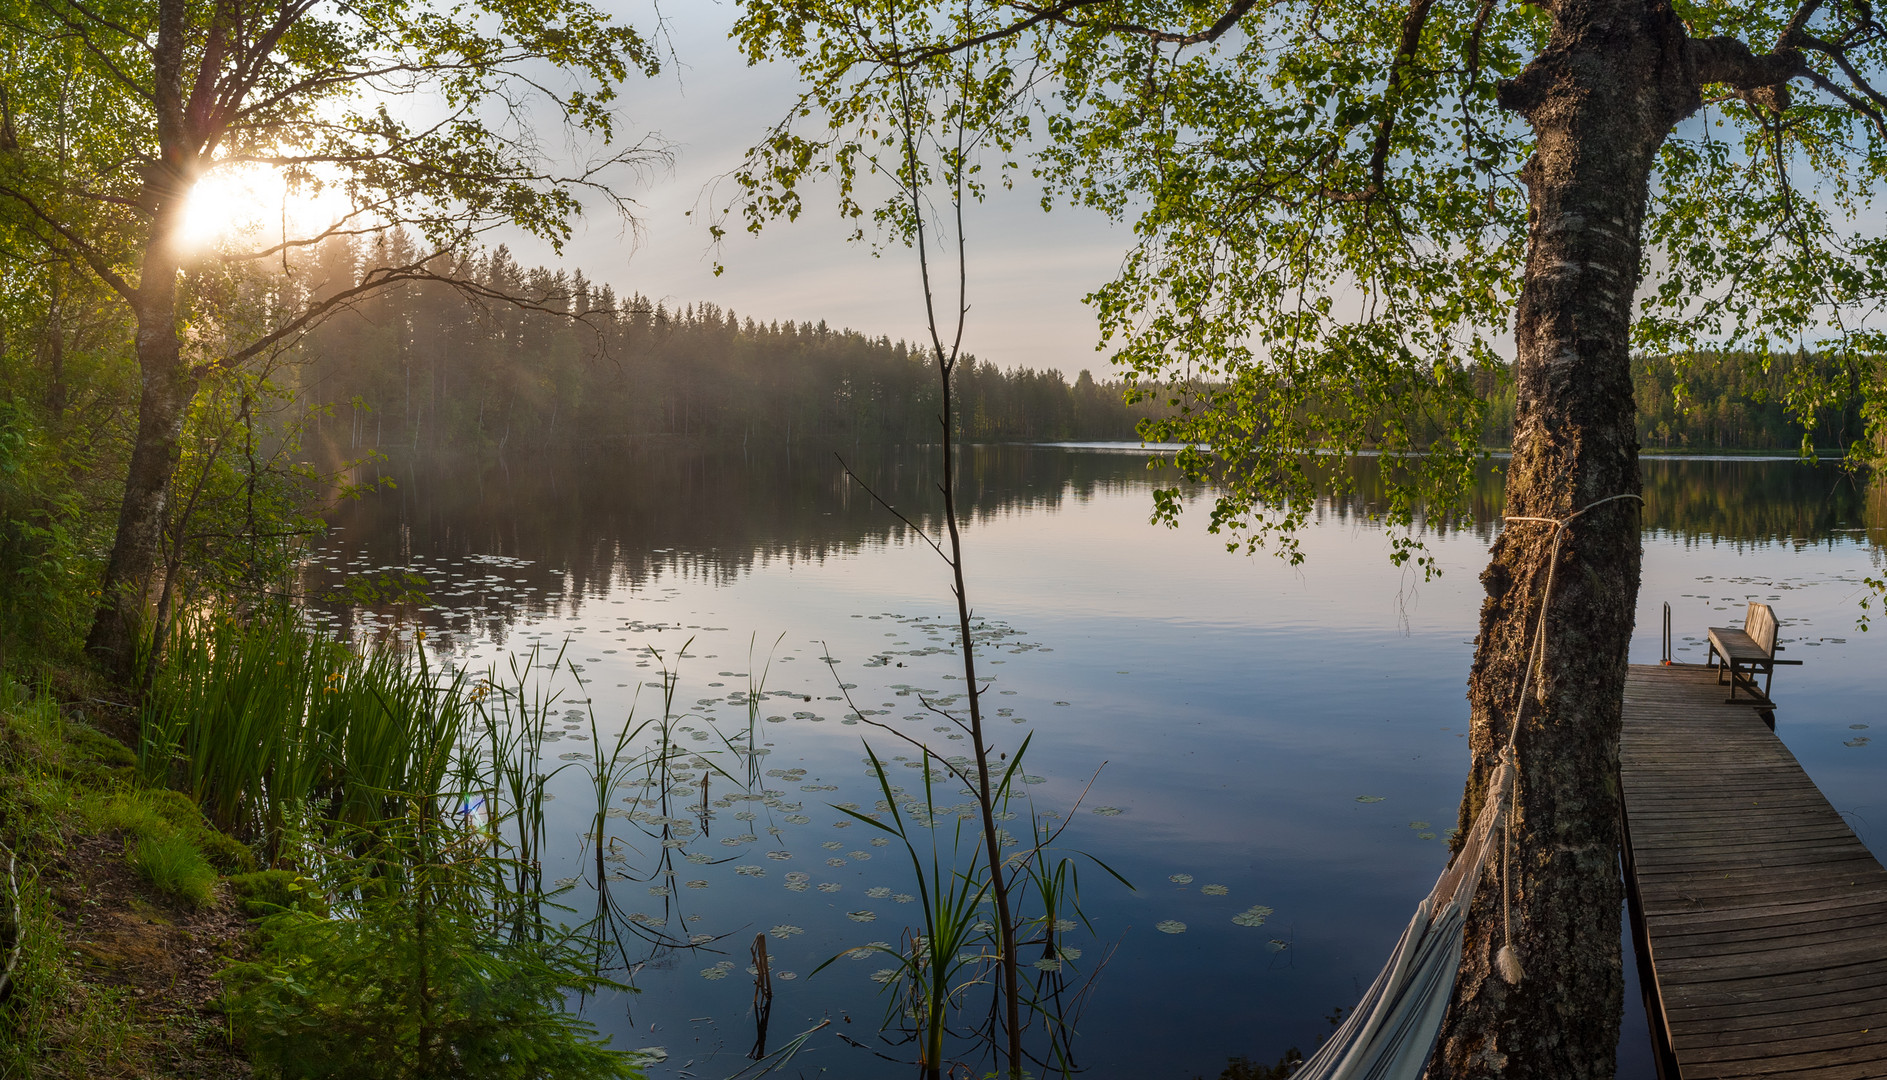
[254, 205]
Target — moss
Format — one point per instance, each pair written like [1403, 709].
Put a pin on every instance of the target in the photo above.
[99, 747]
[267, 892]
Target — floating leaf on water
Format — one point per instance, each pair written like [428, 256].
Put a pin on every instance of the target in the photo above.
[1253, 916]
[1369, 798]
[745, 815]
[731, 841]
[714, 973]
[835, 861]
[1048, 965]
[1061, 703]
[1108, 811]
[861, 916]
[829, 886]
[1418, 824]
[563, 882]
[862, 856]
[1214, 890]
[785, 975]
[700, 939]
[799, 876]
[751, 871]
[1277, 945]
[1425, 836]
[1180, 879]
[1068, 952]
[878, 892]
[1170, 926]
[833, 845]
[1858, 740]
[796, 886]
[884, 976]
[779, 856]
[798, 819]
[658, 890]
[903, 897]
[677, 845]
[785, 930]
[650, 1055]
[698, 857]
[697, 883]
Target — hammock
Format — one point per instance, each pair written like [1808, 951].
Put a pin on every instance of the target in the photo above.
[1391, 1033]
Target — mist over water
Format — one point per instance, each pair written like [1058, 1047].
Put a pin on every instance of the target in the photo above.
[1257, 735]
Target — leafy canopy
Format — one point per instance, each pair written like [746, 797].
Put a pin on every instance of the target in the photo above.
[384, 114]
[1329, 218]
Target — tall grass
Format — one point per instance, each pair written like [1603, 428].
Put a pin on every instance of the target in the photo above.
[266, 723]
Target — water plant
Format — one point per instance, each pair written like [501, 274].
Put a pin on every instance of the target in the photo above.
[930, 966]
[265, 722]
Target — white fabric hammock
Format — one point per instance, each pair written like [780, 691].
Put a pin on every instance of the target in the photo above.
[1391, 1033]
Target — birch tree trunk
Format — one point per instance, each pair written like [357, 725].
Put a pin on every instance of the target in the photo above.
[1613, 82]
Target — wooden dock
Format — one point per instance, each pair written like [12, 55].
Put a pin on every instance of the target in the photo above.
[1760, 918]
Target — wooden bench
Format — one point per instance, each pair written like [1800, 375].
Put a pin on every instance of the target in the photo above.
[1744, 653]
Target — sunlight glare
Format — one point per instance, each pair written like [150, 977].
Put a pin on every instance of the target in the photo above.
[254, 205]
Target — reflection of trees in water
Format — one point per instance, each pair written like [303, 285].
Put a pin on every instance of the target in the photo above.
[620, 520]
[1734, 500]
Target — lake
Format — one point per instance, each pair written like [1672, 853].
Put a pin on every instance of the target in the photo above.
[1249, 735]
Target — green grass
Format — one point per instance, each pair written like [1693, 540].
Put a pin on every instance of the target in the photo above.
[174, 866]
[61, 780]
[271, 727]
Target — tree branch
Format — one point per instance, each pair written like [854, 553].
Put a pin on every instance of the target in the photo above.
[91, 256]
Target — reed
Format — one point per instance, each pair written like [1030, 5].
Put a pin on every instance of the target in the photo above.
[931, 965]
[271, 726]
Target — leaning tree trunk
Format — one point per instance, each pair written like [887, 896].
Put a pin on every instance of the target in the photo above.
[167, 385]
[1612, 83]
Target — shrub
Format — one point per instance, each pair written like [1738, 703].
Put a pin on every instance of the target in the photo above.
[270, 892]
[430, 970]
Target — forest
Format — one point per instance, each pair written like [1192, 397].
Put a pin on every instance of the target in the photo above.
[431, 366]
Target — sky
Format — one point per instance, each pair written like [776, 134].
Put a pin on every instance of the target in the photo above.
[1027, 269]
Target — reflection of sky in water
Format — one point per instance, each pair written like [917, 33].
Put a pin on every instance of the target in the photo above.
[1273, 737]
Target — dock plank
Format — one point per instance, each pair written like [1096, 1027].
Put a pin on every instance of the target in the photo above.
[1760, 911]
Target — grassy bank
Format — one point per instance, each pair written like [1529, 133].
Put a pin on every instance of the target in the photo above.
[274, 868]
[119, 910]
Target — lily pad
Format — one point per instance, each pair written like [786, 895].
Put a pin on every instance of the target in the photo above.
[1214, 890]
[1170, 926]
[1253, 916]
[1369, 798]
[1180, 879]
[861, 916]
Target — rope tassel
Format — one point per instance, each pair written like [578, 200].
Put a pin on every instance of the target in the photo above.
[1507, 962]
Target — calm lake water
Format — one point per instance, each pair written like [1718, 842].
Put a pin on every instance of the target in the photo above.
[1257, 735]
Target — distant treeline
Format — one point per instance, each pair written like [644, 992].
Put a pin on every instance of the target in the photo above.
[430, 366]
[1715, 401]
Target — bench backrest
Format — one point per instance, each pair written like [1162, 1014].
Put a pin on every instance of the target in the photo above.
[1760, 624]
